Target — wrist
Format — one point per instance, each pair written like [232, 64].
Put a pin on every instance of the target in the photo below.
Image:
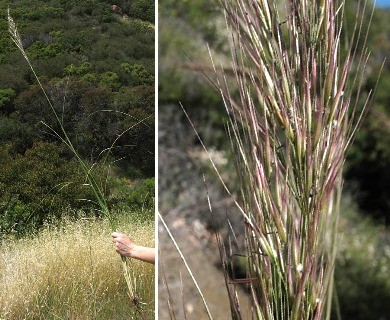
[134, 252]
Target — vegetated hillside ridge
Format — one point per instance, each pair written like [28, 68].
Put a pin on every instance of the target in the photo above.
[96, 62]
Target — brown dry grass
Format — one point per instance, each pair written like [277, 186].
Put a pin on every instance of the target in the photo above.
[72, 272]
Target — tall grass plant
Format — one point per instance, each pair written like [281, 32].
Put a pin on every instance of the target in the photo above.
[298, 107]
[297, 112]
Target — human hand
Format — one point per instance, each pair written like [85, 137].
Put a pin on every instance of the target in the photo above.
[123, 244]
[126, 247]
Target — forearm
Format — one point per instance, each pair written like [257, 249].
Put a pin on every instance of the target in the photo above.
[145, 254]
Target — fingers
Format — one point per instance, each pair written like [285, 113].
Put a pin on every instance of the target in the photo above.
[118, 239]
[117, 245]
[120, 248]
[122, 243]
[116, 234]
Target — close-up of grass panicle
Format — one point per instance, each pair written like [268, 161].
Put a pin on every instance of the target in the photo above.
[91, 181]
[298, 111]
[294, 106]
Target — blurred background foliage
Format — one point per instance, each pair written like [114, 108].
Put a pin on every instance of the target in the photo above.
[96, 62]
[186, 29]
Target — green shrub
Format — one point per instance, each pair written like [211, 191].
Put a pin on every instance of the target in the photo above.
[16, 134]
[91, 78]
[142, 9]
[138, 73]
[6, 96]
[83, 69]
[141, 195]
[361, 277]
[41, 50]
[37, 186]
[110, 80]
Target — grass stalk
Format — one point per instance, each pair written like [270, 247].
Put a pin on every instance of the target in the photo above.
[186, 265]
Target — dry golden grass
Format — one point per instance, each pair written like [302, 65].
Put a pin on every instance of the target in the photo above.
[72, 272]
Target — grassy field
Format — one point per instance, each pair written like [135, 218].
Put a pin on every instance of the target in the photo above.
[71, 271]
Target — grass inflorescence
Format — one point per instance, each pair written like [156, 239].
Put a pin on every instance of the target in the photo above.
[296, 113]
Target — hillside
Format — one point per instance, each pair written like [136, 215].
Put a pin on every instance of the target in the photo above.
[96, 62]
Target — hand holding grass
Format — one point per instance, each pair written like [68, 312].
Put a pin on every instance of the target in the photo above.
[126, 247]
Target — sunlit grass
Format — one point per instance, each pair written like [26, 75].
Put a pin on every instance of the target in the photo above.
[71, 271]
